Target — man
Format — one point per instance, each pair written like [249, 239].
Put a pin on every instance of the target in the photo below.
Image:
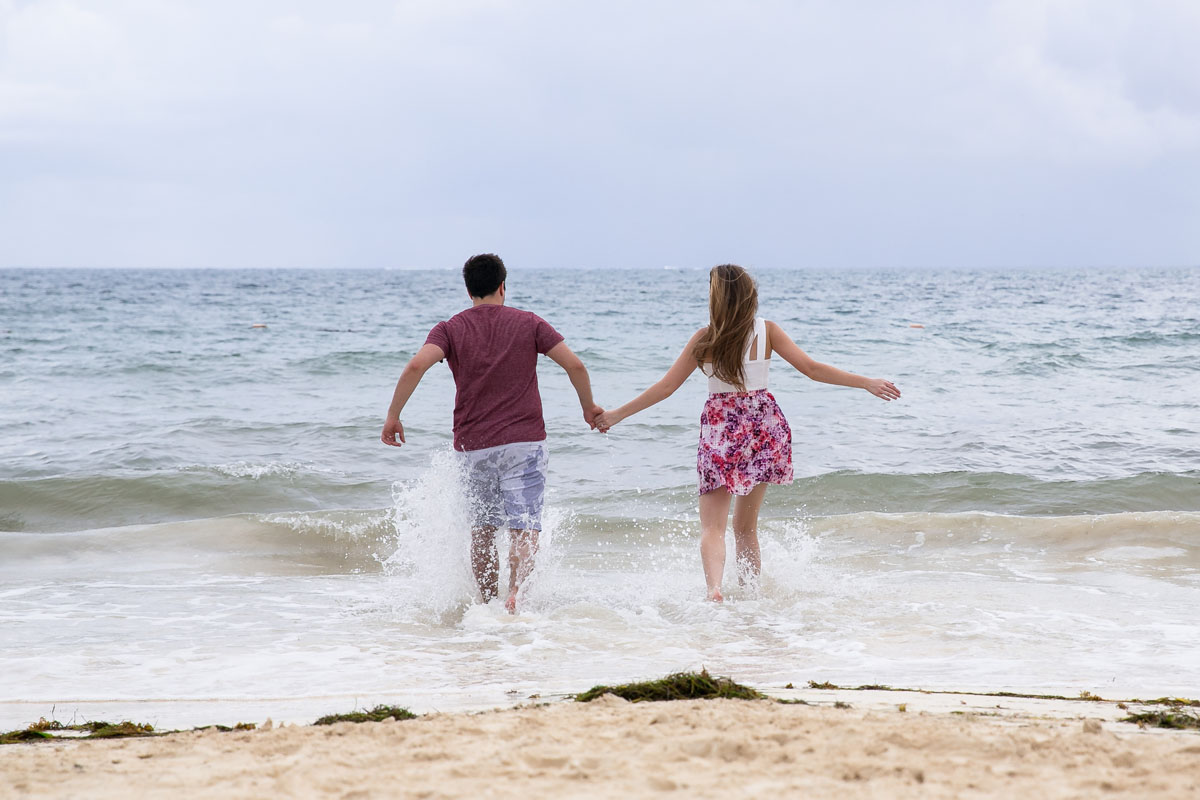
[498, 425]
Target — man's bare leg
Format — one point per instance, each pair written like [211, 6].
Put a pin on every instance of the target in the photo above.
[523, 547]
[485, 561]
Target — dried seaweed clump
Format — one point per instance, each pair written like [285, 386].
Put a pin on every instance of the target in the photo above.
[1179, 720]
[376, 714]
[241, 726]
[26, 735]
[118, 730]
[95, 730]
[1175, 702]
[680, 686]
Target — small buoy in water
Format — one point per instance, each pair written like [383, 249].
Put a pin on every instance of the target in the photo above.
[913, 325]
[259, 325]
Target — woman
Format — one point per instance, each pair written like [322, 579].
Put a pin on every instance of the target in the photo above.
[745, 441]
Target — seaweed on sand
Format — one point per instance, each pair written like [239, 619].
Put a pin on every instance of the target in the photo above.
[376, 714]
[26, 735]
[95, 730]
[241, 726]
[1174, 702]
[1178, 720]
[119, 730]
[679, 686]
[44, 724]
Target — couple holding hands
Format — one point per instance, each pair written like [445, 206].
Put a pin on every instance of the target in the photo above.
[499, 430]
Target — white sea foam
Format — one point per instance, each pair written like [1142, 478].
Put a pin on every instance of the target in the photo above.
[828, 609]
[259, 470]
[1134, 553]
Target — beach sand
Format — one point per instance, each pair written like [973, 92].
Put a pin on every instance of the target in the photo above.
[939, 746]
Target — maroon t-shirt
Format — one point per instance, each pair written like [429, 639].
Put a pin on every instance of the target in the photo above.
[493, 350]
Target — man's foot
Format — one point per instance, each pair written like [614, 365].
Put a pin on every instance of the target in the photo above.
[715, 596]
[511, 602]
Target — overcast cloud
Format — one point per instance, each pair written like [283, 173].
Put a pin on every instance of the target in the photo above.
[628, 134]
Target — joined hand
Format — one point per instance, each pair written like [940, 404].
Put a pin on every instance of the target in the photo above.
[591, 414]
[604, 422]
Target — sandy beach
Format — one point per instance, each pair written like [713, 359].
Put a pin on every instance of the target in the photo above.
[848, 744]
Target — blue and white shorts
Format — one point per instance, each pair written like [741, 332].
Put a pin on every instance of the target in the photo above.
[506, 485]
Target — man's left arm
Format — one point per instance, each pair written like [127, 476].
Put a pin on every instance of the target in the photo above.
[577, 372]
[426, 357]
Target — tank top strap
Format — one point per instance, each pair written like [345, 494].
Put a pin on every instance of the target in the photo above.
[760, 337]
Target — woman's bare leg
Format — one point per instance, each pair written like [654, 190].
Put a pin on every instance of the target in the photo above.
[745, 532]
[714, 514]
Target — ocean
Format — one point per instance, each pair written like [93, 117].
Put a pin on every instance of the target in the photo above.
[198, 522]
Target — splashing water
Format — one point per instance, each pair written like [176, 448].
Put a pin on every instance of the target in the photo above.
[430, 562]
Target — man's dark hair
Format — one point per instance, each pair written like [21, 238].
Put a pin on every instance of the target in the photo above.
[483, 274]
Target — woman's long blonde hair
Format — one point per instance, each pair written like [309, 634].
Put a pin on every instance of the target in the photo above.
[732, 306]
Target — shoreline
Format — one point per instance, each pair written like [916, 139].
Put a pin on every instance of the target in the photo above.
[858, 742]
[181, 714]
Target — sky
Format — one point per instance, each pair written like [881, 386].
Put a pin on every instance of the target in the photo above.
[811, 133]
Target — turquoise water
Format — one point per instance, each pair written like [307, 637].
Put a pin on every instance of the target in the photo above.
[192, 507]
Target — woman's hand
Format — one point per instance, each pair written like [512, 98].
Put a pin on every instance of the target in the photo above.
[885, 390]
[606, 420]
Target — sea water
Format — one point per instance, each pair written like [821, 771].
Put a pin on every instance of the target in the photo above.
[199, 523]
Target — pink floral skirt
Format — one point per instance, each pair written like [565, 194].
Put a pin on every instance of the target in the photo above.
[744, 441]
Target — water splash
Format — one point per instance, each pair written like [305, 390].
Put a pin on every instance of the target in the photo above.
[431, 563]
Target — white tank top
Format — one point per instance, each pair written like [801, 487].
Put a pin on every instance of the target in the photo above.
[755, 370]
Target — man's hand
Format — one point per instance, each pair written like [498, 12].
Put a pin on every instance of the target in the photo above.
[590, 414]
[393, 429]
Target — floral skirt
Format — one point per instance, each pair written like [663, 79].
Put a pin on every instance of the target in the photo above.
[744, 441]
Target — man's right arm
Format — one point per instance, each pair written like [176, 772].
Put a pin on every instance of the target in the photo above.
[577, 372]
[425, 358]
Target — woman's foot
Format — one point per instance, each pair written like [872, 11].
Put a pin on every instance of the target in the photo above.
[715, 596]
[511, 602]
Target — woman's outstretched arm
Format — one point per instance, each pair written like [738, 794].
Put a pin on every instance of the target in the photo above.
[666, 386]
[790, 352]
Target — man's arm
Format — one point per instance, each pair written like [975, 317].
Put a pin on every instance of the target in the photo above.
[425, 358]
[577, 372]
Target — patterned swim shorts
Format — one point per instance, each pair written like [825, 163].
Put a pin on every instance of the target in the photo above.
[506, 485]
